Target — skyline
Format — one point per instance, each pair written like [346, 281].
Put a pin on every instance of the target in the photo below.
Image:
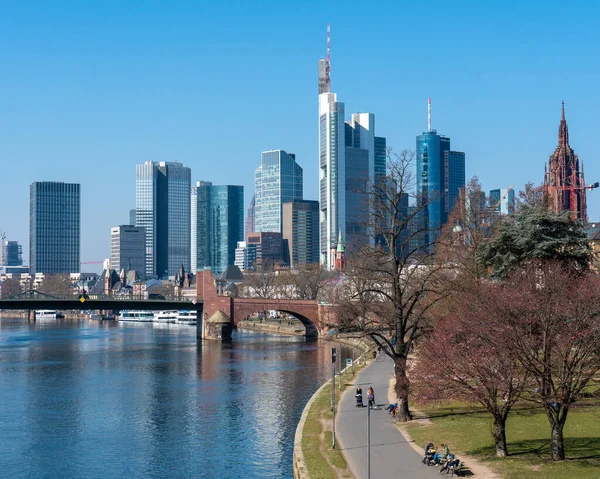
[94, 91]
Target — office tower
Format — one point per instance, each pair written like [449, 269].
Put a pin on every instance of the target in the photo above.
[240, 256]
[440, 175]
[351, 158]
[276, 181]
[132, 217]
[267, 245]
[162, 207]
[128, 249]
[300, 232]
[564, 184]
[503, 200]
[218, 225]
[54, 228]
[454, 179]
[251, 215]
[14, 253]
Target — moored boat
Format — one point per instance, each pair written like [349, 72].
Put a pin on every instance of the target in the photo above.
[140, 316]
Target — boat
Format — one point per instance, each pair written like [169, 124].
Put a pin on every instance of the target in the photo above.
[165, 316]
[46, 314]
[186, 317]
[140, 316]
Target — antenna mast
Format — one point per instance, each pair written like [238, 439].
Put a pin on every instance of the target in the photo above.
[428, 114]
[328, 61]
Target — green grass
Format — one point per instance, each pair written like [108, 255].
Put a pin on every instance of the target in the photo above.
[468, 430]
[312, 443]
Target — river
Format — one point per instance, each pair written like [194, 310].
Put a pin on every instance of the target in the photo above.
[89, 399]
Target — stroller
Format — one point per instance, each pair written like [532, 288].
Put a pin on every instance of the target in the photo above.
[429, 454]
[359, 401]
[451, 466]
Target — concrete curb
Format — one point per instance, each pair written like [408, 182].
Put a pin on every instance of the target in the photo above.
[299, 464]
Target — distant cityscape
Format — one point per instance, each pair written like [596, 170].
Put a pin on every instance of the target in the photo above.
[179, 225]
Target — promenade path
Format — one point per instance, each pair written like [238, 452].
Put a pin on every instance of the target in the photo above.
[391, 455]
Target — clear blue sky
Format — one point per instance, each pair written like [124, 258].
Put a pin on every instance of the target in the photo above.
[89, 89]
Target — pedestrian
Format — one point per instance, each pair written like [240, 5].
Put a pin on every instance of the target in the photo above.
[371, 397]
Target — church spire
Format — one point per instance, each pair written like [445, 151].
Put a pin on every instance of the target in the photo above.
[563, 131]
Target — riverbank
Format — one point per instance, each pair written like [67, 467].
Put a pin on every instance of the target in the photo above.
[313, 453]
[24, 314]
[296, 329]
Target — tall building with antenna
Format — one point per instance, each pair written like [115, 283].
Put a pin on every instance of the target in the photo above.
[351, 158]
[440, 176]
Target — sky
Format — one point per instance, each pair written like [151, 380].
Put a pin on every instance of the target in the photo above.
[90, 89]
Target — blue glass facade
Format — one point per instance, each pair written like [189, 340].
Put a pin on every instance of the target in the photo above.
[454, 179]
[163, 208]
[54, 227]
[218, 225]
[431, 148]
[277, 181]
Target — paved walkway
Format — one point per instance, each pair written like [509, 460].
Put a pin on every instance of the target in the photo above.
[391, 455]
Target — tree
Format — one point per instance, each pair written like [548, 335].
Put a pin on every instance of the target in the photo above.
[390, 288]
[57, 285]
[551, 326]
[462, 359]
[10, 287]
[166, 289]
[305, 282]
[535, 233]
[262, 283]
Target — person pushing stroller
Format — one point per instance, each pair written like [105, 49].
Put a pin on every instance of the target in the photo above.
[359, 397]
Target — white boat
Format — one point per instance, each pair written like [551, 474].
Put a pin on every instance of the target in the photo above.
[140, 316]
[165, 316]
[186, 317]
[45, 313]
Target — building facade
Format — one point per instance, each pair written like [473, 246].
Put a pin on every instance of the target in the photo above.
[564, 184]
[217, 225]
[162, 208]
[13, 253]
[128, 249]
[251, 216]
[503, 200]
[276, 181]
[54, 227]
[300, 238]
[267, 246]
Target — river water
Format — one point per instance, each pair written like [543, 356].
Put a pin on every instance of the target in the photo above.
[89, 399]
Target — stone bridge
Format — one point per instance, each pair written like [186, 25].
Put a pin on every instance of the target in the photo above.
[314, 317]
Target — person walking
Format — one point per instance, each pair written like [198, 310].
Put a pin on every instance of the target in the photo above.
[371, 397]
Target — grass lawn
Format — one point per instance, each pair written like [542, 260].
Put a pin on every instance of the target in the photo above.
[468, 430]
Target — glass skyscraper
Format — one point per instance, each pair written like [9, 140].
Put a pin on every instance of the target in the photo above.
[440, 175]
[162, 207]
[276, 181]
[217, 225]
[54, 227]
[128, 249]
[503, 200]
[301, 232]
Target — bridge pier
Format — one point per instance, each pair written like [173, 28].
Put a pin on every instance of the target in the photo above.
[31, 315]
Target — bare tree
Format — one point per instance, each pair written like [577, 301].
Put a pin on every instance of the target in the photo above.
[57, 285]
[395, 283]
[262, 283]
[305, 282]
[10, 287]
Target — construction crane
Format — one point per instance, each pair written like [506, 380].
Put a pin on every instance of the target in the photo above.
[502, 198]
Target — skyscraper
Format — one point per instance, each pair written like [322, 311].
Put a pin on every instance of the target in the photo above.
[163, 208]
[351, 158]
[503, 200]
[251, 215]
[128, 248]
[440, 175]
[54, 228]
[276, 181]
[14, 253]
[217, 225]
[301, 232]
[564, 184]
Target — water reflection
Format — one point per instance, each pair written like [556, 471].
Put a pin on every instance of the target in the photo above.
[102, 399]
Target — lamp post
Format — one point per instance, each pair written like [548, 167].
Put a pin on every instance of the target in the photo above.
[368, 440]
[333, 355]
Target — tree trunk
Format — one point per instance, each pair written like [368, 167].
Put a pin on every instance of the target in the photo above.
[500, 436]
[557, 443]
[402, 385]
